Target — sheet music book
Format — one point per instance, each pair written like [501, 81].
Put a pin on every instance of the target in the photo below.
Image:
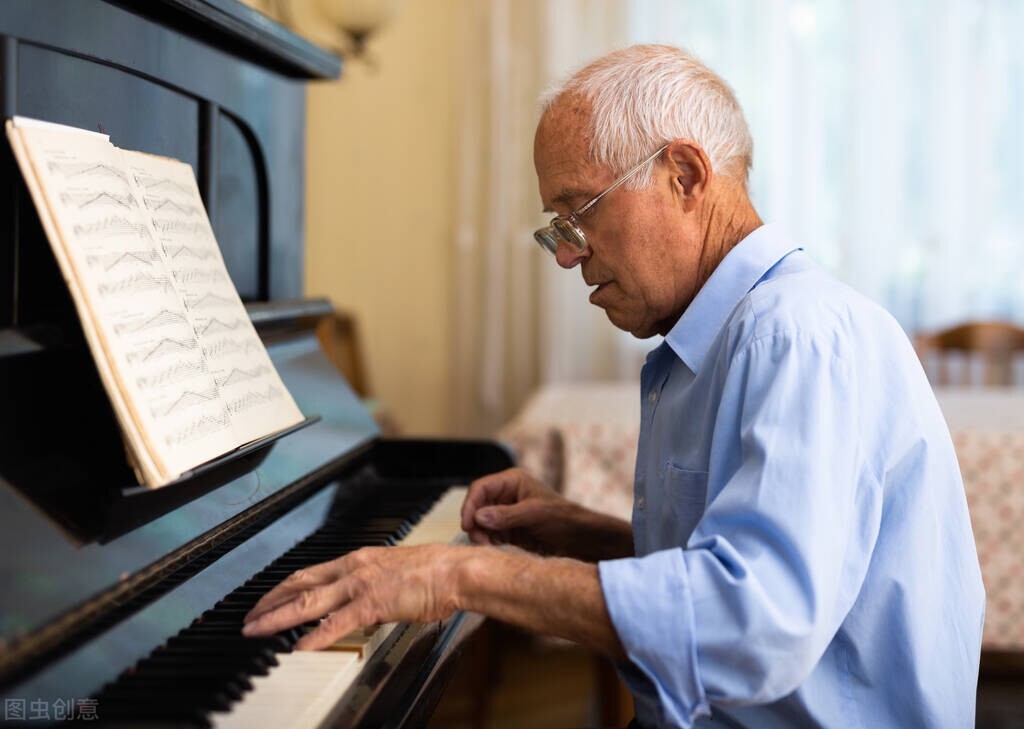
[186, 372]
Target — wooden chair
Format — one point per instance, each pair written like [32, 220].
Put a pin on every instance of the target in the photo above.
[990, 346]
[339, 338]
[340, 341]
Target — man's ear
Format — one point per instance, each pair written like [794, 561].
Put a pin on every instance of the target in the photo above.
[691, 170]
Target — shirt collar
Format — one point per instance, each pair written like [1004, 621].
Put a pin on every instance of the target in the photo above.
[738, 273]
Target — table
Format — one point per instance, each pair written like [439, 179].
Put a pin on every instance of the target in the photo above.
[581, 440]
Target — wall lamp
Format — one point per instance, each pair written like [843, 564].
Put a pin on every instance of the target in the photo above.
[342, 26]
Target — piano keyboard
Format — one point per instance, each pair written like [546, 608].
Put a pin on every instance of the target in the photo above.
[209, 675]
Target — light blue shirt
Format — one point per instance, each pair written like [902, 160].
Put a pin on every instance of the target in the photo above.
[804, 552]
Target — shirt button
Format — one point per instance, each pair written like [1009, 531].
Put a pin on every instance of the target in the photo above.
[640, 502]
[652, 397]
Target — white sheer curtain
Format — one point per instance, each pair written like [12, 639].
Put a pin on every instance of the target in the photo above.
[887, 138]
[520, 320]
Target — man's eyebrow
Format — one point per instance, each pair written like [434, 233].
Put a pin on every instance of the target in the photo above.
[567, 195]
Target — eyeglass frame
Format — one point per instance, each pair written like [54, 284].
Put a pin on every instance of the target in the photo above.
[552, 234]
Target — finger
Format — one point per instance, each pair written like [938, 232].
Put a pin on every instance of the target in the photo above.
[336, 625]
[286, 590]
[480, 492]
[479, 536]
[306, 605]
[513, 516]
[273, 600]
[501, 487]
[303, 579]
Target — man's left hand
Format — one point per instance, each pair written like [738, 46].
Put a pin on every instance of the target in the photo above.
[370, 586]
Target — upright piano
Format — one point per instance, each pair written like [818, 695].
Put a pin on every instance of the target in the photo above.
[123, 605]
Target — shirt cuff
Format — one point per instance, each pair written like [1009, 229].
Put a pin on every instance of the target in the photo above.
[651, 607]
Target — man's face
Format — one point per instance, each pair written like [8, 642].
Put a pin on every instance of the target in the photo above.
[644, 248]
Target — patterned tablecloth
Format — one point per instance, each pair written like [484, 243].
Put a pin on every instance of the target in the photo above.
[581, 439]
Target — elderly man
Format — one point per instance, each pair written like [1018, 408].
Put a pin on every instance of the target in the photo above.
[800, 551]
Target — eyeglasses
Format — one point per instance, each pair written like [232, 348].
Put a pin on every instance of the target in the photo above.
[566, 228]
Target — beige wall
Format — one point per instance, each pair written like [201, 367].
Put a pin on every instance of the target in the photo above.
[379, 208]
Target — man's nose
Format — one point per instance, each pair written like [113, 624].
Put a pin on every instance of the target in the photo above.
[567, 256]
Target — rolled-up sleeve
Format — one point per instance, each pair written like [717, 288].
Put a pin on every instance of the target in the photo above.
[743, 612]
[660, 642]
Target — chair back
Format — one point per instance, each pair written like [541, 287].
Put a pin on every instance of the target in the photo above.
[974, 353]
[340, 340]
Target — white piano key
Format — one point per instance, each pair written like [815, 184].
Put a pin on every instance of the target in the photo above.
[443, 523]
[301, 691]
[364, 641]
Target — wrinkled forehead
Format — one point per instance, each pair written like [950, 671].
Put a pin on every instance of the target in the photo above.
[563, 130]
[561, 149]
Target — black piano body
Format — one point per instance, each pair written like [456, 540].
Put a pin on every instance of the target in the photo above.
[96, 573]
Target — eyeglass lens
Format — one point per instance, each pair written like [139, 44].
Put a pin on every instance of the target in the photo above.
[570, 233]
[548, 239]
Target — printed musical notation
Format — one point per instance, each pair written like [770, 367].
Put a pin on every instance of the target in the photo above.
[178, 227]
[196, 276]
[113, 226]
[135, 283]
[160, 319]
[178, 372]
[183, 252]
[167, 204]
[187, 371]
[216, 326]
[237, 375]
[164, 348]
[110, 261]
[199, 428]
[187, 400]
[229, 346]
[253, 398]
[75, 170]
[150, 182]
[208, 301]
[87, 198]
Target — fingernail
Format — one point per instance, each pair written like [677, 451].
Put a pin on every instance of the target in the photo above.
[249, 628]
[485, 517]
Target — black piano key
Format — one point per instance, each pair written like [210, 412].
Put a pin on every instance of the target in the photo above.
[203, 700]
[226, 675]
[244, 593]
[226, 611]
[231, 679]
[256, 655]
[238, 644]
[311, 556]
[211, 626]
[208, 665]
[226, 623]
[120, 713]
[347, 543]
[248, 664]
[245, 603]
[232, 690]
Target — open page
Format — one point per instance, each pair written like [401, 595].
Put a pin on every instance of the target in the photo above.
[188, 375]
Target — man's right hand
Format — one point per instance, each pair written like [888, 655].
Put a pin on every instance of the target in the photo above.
[512, 507]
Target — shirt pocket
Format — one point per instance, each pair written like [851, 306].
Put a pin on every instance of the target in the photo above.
[686, 492]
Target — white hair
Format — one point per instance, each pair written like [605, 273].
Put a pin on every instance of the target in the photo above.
[646, 95]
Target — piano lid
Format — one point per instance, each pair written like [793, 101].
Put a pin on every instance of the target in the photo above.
[249, 33]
